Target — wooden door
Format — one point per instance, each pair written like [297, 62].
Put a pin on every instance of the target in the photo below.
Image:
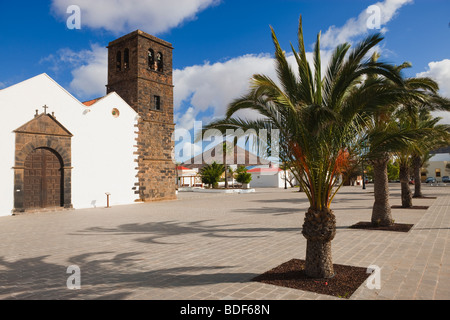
[42, 180]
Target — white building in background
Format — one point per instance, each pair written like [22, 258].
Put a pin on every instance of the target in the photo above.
[188, 177]
[102, 143]
[437, 165]
[270, 177]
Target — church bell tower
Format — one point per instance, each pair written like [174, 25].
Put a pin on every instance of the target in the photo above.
[140, 71]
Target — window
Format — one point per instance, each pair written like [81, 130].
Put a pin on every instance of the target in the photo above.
[119, 61]
[126, 59]
[159, 62]
[115, 113]
[151, 60]
[156, 102]
[438, 173]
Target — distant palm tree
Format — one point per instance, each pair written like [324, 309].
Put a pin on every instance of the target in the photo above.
[434, 136]
[211, 173]
[418, 115]
[421, 153]
[387, 134]
[417, 162]
[242, 176]
[320, 120]
[227, 149]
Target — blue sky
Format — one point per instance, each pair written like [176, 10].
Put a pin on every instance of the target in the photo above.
[419, 32]
[218, 44]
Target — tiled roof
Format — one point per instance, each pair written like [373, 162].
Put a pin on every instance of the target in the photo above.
[273, 169]
[91, 102]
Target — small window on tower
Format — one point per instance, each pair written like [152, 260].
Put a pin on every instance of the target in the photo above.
[126, 59]
[159, 60]
[115, 113]
[156, 102]
[119, 61]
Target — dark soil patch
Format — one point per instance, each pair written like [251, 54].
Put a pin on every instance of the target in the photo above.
[291, 274]
[413, 207]
[400, 227]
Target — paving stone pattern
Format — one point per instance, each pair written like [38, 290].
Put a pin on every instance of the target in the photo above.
[210, 246]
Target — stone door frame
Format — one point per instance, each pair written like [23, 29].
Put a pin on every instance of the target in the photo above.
[19, 171]
[43, 132]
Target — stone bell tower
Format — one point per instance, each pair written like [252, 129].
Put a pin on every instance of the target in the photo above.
[140, 71]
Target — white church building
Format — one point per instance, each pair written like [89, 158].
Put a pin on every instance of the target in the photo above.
[74, 153]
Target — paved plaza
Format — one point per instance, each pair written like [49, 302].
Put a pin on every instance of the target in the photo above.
[210, 246]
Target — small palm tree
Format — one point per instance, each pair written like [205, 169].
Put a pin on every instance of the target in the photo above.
[211, 173]
[320, 122]
[242, 176]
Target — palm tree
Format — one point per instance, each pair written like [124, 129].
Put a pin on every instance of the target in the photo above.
[319, 122]
[434, 136]
[404, 159]
[387, 135]
[242, 176]
[421, 153]
[227, 149]
[211, 173]
[418, 115]
[418, 161]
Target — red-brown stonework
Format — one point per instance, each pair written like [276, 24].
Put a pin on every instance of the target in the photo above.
[139, 83]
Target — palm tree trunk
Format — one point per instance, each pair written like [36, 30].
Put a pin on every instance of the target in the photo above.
[417, 164]
[319, 230]
[226, 176]
[406, 192]
[381, 211]
[300, 189]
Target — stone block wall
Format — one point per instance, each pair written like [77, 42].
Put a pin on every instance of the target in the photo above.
[138, 84]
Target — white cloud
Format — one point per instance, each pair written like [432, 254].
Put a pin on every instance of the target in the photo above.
[153, 16]
[213, 86]
[185, 120]
[445, 115]
[90, 78]
[216, 85]
[355, 27]
[88, 68]
[198, 89]
[440, 72]
[186, 150]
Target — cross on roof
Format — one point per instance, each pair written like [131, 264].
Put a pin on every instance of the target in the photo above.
[45, 109]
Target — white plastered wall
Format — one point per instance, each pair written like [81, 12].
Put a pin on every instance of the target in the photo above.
[266, 180]
[102, 145]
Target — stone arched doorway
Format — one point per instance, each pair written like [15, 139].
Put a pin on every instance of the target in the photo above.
[43, 182]
[42, 167]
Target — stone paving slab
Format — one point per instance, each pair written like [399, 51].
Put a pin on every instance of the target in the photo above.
[210, 246]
